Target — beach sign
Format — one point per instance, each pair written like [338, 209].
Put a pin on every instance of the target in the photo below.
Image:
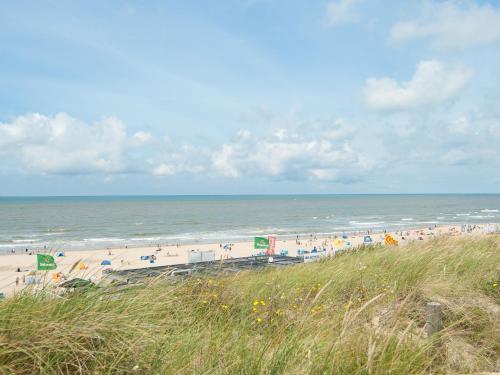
[272, 245]
[261, 243]
[45, 262]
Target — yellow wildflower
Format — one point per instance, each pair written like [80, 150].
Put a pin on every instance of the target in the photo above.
[495, 285]
[255, 303]
[262, 303]
[205, 302]
[258, 320]
[224, 307]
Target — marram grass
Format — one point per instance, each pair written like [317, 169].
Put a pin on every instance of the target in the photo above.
[359, 313]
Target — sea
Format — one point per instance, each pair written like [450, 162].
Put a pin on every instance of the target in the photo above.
[75, 223]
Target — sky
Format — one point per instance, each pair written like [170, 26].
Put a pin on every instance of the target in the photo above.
[249, 97]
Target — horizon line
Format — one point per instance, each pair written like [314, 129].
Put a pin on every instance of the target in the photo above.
[232, 195]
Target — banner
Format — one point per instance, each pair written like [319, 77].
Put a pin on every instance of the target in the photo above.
[272, 245]
[45, 262]
[261, 243]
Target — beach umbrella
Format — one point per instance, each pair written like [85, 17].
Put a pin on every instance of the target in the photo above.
[60, 254]
[106, 263]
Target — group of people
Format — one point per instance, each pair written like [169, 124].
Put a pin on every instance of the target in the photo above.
[468, 228]
[308, 241]
[27, 251]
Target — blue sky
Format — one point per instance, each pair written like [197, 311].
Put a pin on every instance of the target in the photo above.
[255, 96]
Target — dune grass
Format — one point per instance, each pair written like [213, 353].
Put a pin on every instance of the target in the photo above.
[359, 313]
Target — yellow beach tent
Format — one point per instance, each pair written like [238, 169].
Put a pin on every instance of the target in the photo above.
[389, 240]
[82, 266]
[338, 242]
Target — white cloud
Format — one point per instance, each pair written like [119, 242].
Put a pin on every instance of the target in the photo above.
[341, 12]
[432, 83]
[64, 145]
[494, 129]
[164, 170]
[451, 24]
[141, 137]
[291, 149]
[225, 160]
[459, 126]
[172, 159]
[405, 131]
[293, 154]
[455, 157]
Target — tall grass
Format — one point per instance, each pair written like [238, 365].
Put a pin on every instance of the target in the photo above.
[360, 313]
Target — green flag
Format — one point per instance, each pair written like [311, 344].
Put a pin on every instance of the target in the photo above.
[45, 262]
[261, 243]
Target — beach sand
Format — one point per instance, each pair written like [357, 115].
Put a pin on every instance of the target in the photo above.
[128, 258]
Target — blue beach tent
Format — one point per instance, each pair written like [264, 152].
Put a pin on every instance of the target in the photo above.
[106, 263]
[367, 239]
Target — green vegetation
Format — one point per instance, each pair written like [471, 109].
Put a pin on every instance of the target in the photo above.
[363, 313]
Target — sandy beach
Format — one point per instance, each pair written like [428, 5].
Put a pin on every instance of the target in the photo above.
[128, 258]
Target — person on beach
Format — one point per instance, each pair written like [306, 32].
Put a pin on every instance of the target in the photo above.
[17, 281]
